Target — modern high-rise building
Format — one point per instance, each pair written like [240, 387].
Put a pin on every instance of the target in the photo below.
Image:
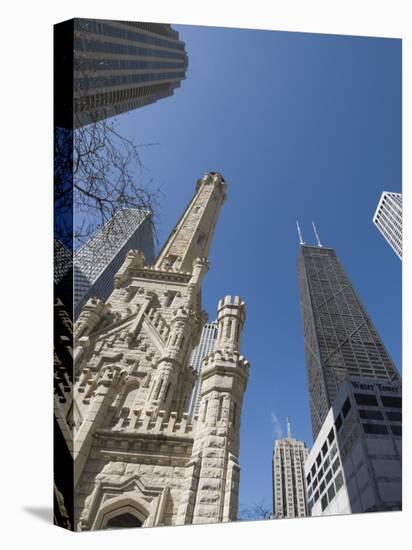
[97, 262]
[339, 336]
[388, 219]
[122, 65]
[206, 344]
[355, 464]
[289, 485]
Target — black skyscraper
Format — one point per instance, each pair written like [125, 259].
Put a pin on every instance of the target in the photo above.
[339, 336]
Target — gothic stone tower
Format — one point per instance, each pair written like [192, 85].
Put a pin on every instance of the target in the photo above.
[138, 460]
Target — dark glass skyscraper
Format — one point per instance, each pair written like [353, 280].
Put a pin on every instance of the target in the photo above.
[97, 262]
[339, 336]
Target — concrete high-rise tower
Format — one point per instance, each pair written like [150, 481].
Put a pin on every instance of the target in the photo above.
[97, 262]
[138, 460]
[388, 219]
[339, 336]
[289, 486]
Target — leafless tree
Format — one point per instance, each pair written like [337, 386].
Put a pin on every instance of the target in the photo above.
[258, 510]
[97, 169]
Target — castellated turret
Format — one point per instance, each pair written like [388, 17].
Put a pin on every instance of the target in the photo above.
[138, 460]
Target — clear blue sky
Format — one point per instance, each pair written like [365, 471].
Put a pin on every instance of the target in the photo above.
[302, 126]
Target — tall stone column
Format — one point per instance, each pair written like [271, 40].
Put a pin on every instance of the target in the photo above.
[212, 497]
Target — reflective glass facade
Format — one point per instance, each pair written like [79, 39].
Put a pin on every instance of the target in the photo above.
[97, 262]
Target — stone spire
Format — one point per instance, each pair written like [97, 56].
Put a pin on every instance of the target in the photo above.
[192, 236]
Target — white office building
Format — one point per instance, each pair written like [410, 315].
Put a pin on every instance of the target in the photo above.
[388, 219]
[289, 488]
[355, 464]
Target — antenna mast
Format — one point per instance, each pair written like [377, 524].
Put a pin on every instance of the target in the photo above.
[316, 234]
[289, 428]
[299, 233]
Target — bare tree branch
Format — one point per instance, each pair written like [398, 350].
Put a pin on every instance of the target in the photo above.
[258, 510]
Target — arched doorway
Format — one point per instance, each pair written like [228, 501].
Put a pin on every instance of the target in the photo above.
[121, 512]
[125, 520]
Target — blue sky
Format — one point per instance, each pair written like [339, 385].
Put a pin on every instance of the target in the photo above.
[302, 126]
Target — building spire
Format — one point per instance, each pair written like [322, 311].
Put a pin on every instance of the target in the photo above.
[289, 429]
[299, 233]
[316, 234]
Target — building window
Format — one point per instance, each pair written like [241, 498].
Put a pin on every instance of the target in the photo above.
[393, 402]
[338, 481]
[338, 423]
[394, 416]
[324, 502]
[370, 414]
[366, 399]
[234, 415]
[396, 430]
[346, 408]
[324, 448]
[328, 476]
[331, 436]
[376, 429]
[331, 492]
[335, 465]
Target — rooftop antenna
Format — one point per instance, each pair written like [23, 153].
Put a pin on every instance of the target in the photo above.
[299, 233]
[316, 234]
[289, 428]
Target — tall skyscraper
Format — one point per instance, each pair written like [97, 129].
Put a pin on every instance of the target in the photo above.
[339, 336]
[388, 219]
[97, 262]
[206, 345]
[119, 66]
[289, 486]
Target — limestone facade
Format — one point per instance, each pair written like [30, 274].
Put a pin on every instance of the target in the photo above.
[138, 460]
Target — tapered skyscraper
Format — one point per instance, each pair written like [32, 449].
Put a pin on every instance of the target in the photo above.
[339, 336]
